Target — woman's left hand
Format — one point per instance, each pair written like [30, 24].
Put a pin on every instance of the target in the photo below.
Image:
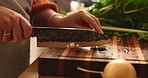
[80, 19]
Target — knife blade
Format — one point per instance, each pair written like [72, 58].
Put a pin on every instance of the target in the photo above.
[68, 37]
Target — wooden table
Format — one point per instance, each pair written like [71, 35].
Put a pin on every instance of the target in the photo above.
[32, 72]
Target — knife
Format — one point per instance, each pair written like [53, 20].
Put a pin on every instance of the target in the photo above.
[68, 37]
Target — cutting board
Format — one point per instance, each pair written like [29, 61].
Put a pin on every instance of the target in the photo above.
[63, 62]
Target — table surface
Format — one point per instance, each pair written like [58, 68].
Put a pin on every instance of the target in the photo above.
[32, 72]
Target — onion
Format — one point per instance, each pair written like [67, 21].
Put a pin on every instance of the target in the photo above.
[119, 69]
[115, 69]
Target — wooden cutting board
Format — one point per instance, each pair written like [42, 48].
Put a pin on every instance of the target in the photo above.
[64, 61]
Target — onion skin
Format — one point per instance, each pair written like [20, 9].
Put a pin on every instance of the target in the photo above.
[119, 69]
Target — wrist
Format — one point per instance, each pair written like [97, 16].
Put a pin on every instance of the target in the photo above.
[54, 20]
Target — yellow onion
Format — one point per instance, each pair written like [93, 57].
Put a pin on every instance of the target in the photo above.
[119, 69]
[115, 69]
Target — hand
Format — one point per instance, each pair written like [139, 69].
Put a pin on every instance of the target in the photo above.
[80, 19]
[13, 26]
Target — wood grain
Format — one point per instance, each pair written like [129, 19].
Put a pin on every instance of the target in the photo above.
[65, 61]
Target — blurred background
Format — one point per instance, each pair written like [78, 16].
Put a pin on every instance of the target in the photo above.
[70, 5]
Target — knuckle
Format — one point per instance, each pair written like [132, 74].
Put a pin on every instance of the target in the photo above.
[18, 14]
[7, 21]
[7, 25]
[97, 19]
[14, 17]
[81, 12]
[92, 21]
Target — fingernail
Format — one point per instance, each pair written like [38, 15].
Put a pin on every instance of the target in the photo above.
[101, 31]
[94, 29]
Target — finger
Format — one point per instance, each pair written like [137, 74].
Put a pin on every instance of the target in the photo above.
[7, 37]
[26, 27]
[80, 27]
[7, 34]
[98, 28]
[17, 31]
[97, 21]
[84, 24]
[88, 19]
[17, 34]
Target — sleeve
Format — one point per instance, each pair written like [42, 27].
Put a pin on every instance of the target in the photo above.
[39, 5]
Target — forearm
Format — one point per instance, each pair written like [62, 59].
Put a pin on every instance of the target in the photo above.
[42, 18]
[41, 11]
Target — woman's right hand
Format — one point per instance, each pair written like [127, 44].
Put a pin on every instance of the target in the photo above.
[13, 26]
